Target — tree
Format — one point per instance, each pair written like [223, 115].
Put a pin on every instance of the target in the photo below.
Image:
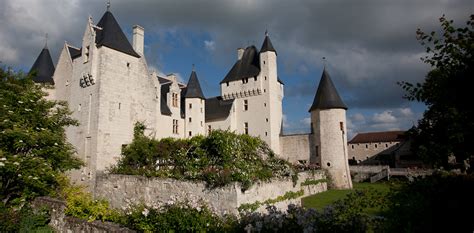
[33, 147]
[447, 125]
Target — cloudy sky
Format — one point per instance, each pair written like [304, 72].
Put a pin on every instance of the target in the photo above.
[369, 44]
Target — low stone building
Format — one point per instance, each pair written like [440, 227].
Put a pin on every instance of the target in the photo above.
[365, 146]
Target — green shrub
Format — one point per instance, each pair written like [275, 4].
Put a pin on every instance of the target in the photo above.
[24, 219]
[218, 159]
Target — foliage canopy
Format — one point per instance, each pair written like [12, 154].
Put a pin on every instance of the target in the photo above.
[447, 125]
[33, 147]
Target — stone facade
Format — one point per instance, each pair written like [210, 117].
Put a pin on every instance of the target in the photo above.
[123, 190]
[109, 88]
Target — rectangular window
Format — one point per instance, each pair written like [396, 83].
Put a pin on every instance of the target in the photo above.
[190, 106]
[246, 127]
[175, 126]
[245, 80]
[190, 120]
[174, 99]
[255, 78]
[341, 125]
[190, 133]
[227, 83]
[246, 105]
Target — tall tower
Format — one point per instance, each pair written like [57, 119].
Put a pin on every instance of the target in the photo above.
[194, 107]
[43, 69]
[272, 92]
[328, 119]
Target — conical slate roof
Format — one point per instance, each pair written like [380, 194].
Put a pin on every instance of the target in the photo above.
[193, 90]
[43, 67]
[326, 95]
[267, 45]
[112, 35]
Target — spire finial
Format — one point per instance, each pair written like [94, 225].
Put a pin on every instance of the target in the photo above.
[194, 68]
[108, 5]
[324, 62]
[46, 40]
[266, 32]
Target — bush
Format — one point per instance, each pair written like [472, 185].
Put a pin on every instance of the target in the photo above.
[441, 202]
[218, 159]
[23, 220]
[177, 217]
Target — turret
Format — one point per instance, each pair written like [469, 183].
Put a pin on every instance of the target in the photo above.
[194, 107]
[328, 122]
[43, 68]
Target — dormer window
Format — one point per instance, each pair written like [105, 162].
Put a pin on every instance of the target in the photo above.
[245, 80]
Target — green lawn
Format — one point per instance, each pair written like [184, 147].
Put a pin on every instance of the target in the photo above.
[320, 200]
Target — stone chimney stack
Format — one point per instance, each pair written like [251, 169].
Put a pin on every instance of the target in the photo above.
[240, 53]
[138, 39]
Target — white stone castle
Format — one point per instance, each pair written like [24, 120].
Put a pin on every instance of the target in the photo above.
[109, 87]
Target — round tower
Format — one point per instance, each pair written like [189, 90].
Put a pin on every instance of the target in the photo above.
[328, 122]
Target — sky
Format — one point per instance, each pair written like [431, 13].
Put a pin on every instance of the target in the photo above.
[368, 45]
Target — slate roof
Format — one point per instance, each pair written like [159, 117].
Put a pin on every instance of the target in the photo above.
[112, 35]
[387, 136]
[248, 66]
[217, 108]
[326, 96]
[165, 110]
[75, 53]
[43, 67]
[193, 89]
[267, 45]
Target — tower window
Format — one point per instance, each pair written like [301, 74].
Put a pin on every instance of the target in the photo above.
[190, 133]
[266, 119]
[255, 78]
[120, 105]
[265, 77]
[227, 83]
[190, 119]
[246, 105]
[352, 146]
[366, 146]
[266, 134]
[174, 99]
[175, 126]
[386, 145]
[341, 125]
[264, 104]
[209, 129]
[246, 127]
[375, 145]
[264, 62]
[128, 64]
[264, 90]
[201, 110]
[190, 106]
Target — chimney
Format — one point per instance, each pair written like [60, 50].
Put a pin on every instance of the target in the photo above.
[138, 39]
[240, 53]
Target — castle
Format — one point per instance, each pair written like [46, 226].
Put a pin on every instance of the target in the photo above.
[109, 87]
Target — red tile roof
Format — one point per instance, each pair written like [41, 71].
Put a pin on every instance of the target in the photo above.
[387, 136]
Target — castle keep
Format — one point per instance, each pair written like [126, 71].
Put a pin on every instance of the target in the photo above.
[108, 86]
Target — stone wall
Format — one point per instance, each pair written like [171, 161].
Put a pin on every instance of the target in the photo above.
[123, 190]
[61, 223]
[295, 147]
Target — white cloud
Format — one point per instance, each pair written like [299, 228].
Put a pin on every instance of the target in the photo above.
[210, 45]
[306, 121]
[384, 117]
[406, 112]
[358, 117]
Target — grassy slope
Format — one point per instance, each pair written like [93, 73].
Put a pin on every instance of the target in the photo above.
[320, 200]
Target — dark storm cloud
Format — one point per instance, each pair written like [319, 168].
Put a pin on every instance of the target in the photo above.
[370, 44]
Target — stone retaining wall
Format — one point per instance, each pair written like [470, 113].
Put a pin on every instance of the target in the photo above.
[62, 223]
[123, 190]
